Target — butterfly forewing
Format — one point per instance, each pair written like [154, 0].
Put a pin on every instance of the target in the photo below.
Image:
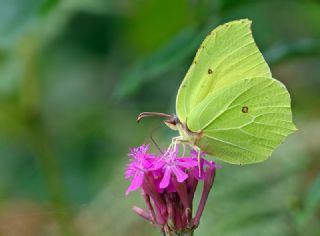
[228, 54]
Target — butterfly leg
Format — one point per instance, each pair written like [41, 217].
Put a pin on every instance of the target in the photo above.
[173, 145]
[174, 142]
[184, 149]
[198, 157]
[180, 140]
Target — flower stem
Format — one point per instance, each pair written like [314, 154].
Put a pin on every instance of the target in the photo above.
[170, 232]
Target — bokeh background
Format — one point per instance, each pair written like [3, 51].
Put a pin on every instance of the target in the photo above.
[74, 74]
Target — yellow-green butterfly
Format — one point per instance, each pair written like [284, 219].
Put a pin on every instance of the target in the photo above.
[228, 104]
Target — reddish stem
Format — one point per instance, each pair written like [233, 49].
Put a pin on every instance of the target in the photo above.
[192, 183]
[170, 210]
[208, 182]
[150, 207]
[182, 192]
[142, 213]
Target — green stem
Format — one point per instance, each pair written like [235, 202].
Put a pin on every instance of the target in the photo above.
[52, 177]
[37, 136]
[171, 232]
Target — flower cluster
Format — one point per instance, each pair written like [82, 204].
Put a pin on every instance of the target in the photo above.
[168, 183]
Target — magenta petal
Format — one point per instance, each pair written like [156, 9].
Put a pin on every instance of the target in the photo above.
[187, 162]
[136, 182]
[181, 176]
[166, 178]
[130, 171]
[158, 164]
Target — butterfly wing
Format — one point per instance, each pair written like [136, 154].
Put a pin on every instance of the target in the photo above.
[244, 122]
[227, 54]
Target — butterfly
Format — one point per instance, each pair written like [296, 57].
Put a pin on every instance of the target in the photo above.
[228, 105]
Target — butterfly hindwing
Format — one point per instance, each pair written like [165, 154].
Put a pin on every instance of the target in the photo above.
[245, 121]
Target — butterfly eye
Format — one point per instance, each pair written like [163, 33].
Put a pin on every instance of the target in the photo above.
[210, 71]
[245, 109]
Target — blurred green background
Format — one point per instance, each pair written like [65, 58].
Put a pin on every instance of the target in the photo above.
[74, 75]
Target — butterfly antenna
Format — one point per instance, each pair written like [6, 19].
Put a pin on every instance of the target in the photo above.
[150, 114]
[153, 140]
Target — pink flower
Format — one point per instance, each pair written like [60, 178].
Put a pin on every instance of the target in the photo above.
[171, 164]
[141, 163]
[168, 184]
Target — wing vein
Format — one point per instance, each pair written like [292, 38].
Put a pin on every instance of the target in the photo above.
[234, 145]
